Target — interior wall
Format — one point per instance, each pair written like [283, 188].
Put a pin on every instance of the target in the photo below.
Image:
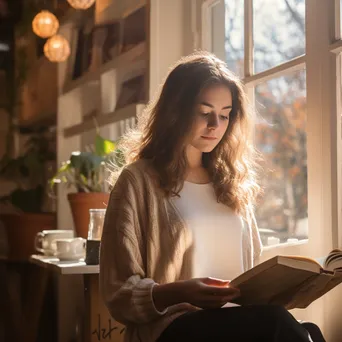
[39, 96]
[39, 92]
[171, 35]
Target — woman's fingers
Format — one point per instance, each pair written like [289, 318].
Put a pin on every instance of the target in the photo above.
[220, 291]
[215, 281]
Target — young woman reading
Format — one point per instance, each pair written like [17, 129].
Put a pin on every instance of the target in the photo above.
[180, 221]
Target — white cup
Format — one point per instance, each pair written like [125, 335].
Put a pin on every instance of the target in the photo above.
[71, 249]
[45, 241]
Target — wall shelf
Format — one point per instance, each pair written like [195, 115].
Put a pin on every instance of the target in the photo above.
[128, 11]
[127, 112]
[125, 60]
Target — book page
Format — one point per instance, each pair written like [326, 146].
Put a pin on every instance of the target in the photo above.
[274, 285]
[334, 260]
[293, 282]
[294, 262]
[303, 258]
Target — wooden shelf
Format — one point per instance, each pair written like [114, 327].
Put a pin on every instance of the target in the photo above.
[124, 60]
[127, 112]
[129, 11]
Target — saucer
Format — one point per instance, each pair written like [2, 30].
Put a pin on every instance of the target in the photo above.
[69, 257]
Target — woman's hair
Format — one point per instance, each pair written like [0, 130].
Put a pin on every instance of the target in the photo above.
[163, 129]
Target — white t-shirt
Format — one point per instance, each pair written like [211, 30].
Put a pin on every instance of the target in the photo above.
[216, 230]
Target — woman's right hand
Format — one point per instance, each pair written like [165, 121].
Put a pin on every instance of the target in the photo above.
[208, 292]
[204, 293]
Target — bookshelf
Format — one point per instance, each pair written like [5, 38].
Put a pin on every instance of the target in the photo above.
[127, 60]
[98, 93]
[129, 112]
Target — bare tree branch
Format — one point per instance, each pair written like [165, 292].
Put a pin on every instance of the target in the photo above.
[296, 17]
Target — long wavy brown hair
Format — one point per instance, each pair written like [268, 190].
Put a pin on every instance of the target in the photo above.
[163, 131]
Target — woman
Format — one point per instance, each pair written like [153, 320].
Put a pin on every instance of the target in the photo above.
[180, 219]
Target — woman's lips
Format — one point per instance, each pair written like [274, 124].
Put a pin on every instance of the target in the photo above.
[208, 138]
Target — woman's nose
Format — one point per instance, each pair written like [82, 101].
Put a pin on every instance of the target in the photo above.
[213, 122]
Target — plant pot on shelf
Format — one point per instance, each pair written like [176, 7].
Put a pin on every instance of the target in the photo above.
[80, 204]
[21, 230]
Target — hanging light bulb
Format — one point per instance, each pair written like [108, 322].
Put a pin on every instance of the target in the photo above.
[57, 49]
[81, 4]
[45, 24]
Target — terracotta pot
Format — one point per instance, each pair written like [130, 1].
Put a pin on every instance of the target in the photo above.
[21, 231]
[80, 204]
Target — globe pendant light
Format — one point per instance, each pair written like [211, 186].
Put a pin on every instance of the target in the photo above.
[45, 24]
[57, 49]
[81, 4]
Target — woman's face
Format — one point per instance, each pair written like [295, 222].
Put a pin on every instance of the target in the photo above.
[211, 117]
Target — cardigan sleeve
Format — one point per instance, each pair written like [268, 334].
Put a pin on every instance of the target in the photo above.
[125, 290]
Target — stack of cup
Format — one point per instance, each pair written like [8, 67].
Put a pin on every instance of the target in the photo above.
[94, 236]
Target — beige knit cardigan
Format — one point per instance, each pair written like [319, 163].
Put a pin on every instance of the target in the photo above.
[144, 243]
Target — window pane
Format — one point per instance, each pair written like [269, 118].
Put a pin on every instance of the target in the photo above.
[279, 32]
[280, 136]
[234, 33]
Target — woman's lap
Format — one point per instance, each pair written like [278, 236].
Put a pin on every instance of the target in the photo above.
[250, 323]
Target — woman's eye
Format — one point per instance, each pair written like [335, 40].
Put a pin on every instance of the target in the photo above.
[205, 114]
[223, 117]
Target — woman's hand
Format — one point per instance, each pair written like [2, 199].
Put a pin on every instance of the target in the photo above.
[201, 292]
[208, 292]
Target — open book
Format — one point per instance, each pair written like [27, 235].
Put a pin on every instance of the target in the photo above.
[290, 281]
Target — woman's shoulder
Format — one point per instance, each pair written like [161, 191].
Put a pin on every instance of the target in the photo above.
[138, 176]
[140, 166]
[140, 170]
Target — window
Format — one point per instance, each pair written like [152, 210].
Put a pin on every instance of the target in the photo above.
[280, 135]
[278, 31]
[234, 35]
[269, 57]
[285, 61]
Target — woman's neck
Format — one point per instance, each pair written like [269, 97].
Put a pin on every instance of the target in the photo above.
[194, 157]
[195, 172]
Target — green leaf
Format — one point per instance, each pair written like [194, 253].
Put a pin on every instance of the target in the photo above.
[103, 146]
[85, 162]
[76, 160]
[58, 177]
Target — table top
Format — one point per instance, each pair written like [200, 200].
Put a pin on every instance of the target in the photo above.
[64, 267]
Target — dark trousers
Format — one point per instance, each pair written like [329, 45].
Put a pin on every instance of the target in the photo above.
[241, 324]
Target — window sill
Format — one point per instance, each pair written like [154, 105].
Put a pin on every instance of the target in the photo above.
[285, 244]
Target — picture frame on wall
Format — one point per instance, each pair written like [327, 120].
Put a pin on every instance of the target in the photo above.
[84, 52]
[132, 25]
[132, 91]
[112, 41]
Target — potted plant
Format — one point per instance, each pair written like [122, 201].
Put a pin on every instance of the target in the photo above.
[86, 173]
[22, 210]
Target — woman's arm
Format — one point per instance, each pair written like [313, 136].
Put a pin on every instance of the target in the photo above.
[166, 295]
[123, 286]
[201, 292]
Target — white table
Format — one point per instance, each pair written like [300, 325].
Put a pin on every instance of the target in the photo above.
[98, 324]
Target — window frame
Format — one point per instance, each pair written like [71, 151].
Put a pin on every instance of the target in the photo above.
[324, 201]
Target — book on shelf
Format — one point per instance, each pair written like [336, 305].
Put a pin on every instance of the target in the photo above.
[290, 281]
